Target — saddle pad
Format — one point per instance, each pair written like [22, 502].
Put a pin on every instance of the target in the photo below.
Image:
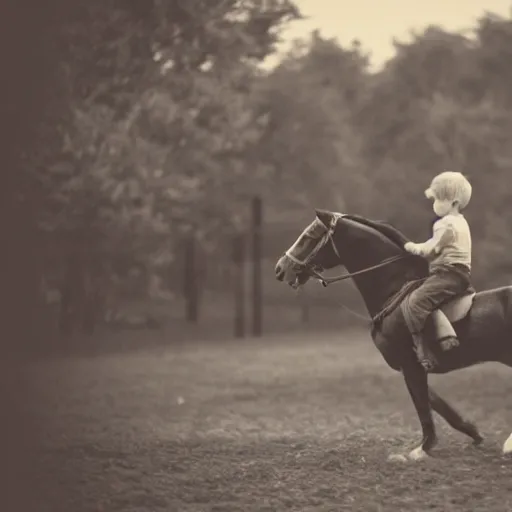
[459, 307]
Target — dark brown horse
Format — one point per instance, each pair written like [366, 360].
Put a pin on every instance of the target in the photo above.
[373, 254]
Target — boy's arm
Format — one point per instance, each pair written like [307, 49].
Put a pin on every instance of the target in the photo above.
[443, 235]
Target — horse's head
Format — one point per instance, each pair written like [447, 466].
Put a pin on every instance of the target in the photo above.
[314, 250]
[358, 244]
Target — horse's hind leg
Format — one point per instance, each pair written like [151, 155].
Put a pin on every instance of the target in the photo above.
[453, 418]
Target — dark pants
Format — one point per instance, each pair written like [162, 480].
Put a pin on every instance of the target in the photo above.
[444, 283]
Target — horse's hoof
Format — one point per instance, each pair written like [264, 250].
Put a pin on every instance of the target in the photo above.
[477, 441]
[397, 457]
[507, 446]
[418, 454]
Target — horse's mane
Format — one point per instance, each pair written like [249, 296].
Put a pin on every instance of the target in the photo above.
[386, 229]
[419, 265]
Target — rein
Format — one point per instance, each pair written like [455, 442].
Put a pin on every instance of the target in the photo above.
[329, 280]
[325, 281]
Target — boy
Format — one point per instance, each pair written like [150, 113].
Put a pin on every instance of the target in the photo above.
[449, 255]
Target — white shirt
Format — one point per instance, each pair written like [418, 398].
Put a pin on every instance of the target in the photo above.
[450, 242]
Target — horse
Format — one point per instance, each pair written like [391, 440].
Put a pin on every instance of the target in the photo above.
[373, 255]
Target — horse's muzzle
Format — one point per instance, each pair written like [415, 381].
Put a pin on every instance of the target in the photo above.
[284, 273]
[279, 272]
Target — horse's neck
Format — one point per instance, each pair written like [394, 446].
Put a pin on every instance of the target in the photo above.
[374, 295]
[378, 285]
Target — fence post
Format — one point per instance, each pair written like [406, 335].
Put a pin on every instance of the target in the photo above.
[257, 292]
[190, 284]
[239, 284]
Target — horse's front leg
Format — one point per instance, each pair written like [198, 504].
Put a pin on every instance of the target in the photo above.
[416, 380]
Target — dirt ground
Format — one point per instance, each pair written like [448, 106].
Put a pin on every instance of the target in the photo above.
[278, 424]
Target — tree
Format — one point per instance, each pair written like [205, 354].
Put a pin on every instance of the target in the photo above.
[153, 115]
[160, 97]
[492, 53]
[310, 143]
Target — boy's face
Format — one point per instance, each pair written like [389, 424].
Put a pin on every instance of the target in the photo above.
[443, 207]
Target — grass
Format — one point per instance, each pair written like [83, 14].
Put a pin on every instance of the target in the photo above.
[277, 424]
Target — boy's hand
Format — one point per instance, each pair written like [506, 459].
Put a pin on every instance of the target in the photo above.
[413, 248]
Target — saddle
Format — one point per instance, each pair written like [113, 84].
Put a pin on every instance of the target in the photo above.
[454, 310]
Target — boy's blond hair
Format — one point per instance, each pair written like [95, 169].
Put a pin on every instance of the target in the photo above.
[450, 186]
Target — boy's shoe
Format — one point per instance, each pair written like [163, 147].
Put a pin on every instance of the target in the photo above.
[425, 356]
[427, 364]
[449, 342]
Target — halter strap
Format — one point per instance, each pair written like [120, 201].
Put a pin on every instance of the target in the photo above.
[327, 236]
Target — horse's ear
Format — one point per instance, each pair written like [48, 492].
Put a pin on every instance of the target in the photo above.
[325, 217]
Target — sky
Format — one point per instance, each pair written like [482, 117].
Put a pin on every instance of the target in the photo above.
[376, 22]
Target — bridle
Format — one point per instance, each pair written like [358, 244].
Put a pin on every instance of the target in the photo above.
[314, 271]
